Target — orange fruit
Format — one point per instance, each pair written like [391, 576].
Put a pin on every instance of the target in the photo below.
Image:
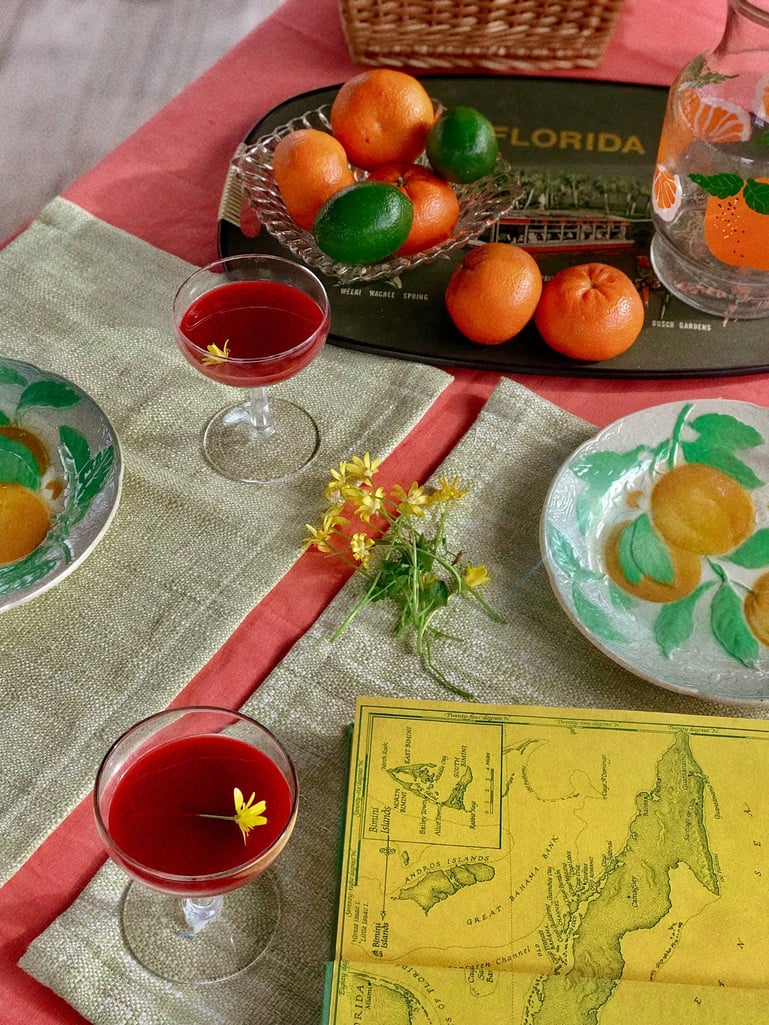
[436, 207]
[309, 167]
[24, 522]
[702, 509]
[756, 608]
[382, 116]
[493, 293]
[591, 311]
[736, 234]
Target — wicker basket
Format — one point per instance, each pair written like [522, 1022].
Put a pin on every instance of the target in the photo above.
[499, 35]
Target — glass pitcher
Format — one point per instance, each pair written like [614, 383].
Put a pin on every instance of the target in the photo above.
[710, 195]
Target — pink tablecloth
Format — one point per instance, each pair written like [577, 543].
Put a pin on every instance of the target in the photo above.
[163, 184]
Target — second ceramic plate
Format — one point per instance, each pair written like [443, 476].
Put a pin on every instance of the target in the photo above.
[689, 619]
[74, 465]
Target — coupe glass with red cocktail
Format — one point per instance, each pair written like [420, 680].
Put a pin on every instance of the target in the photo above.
[250, 321]
[166, 802]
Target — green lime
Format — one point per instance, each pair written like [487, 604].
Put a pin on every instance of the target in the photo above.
[364, 222]
[462, 145]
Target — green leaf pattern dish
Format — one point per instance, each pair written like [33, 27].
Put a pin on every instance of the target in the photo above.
[85, 464]
[702, 643]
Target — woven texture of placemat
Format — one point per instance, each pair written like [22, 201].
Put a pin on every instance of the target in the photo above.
[537, 658]
[189, 553]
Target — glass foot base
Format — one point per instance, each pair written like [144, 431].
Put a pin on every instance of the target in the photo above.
[157, 935]
[732, 292]
[238, 450]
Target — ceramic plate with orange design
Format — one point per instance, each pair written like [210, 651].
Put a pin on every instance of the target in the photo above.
[60, 478]
[655, 535]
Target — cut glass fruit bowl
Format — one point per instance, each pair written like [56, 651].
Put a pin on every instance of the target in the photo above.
[481, 204]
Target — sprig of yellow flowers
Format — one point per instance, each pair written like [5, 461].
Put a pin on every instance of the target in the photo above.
[247, 814]
[384, 535]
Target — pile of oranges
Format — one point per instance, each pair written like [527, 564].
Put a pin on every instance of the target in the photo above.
[359, 189]
[589, 312]
[364, 197]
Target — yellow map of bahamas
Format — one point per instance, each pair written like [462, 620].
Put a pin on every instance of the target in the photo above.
[542, 866]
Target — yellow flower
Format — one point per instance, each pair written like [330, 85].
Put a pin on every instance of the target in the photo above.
[476, 575]
[248, 814]
[217, 355]
[411, 502]
[368, 503]
[318, 538]
[360, 546]
[447, 491]
[362, 469]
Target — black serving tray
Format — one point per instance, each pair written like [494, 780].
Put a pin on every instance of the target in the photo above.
[585, 152]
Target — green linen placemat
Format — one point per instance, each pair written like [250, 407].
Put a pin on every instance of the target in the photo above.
[538, 657]
[189, 553]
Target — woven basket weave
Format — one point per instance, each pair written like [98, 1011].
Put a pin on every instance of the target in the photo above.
[500, 35]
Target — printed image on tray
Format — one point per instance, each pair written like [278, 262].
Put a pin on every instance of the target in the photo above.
[60, 479]
[586, 173]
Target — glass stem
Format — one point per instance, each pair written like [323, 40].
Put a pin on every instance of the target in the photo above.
[199, 911]
[260, 412]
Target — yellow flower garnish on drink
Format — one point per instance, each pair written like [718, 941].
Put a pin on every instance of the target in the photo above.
[217, 355]
[247, 814]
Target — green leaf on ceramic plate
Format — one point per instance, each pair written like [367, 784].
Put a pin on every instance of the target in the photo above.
[726, 431]
[626, 554]
[650, 553]
[620, 598]
[87, 474]
[27, 571]
[76, 446]
[604, 468]
[10, 375]
[730, 628]
[589, 508]
[3, 418]
[753, 553]
[720, 185]
[675, 623]
[700, 451]
[563, 553]
[55, 394]
[594, 618]
[17, 464]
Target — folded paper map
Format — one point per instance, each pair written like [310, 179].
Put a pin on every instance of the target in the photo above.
[545, 866]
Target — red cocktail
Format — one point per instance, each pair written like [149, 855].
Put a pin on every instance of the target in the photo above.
[251, 321]
[196, 803]
[269, 330]
[160, 816]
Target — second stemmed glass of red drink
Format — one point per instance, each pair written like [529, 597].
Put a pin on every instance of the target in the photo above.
[248, 322]
[195, 804]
